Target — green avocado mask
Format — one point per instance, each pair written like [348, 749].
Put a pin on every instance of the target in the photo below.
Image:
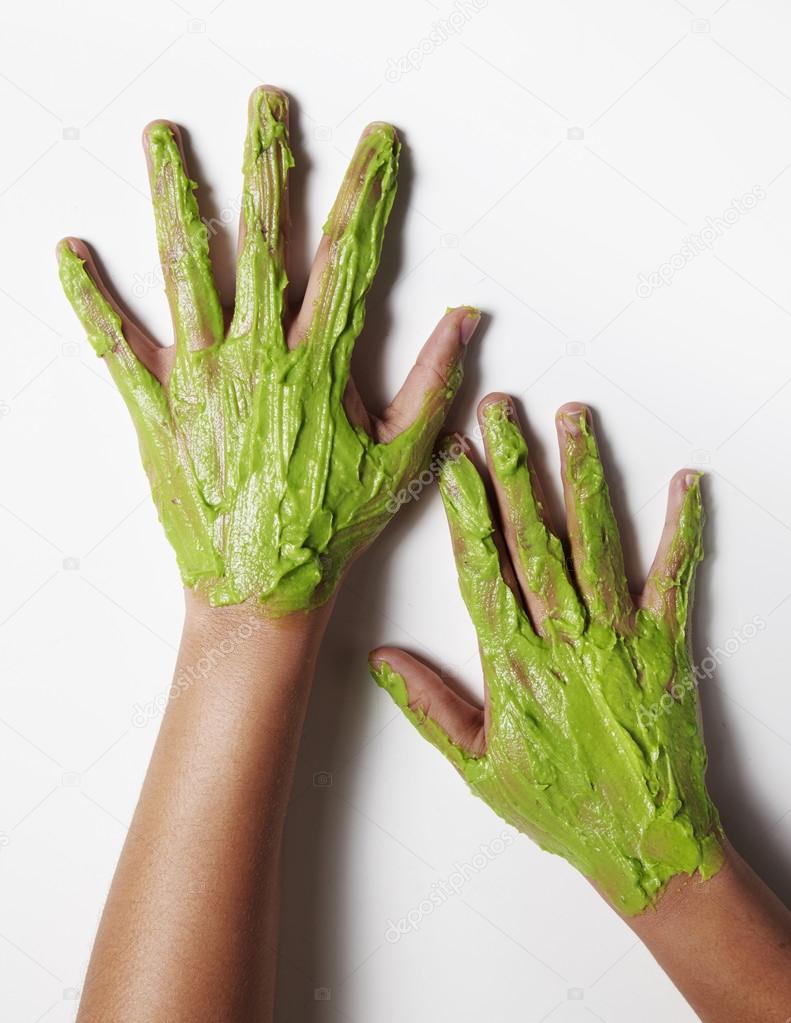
[265, 490]
[585, 750]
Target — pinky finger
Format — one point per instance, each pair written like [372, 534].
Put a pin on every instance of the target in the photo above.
[108, 325]
[668, 589]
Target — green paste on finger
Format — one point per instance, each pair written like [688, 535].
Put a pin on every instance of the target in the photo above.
[593, 746]
[265, 490]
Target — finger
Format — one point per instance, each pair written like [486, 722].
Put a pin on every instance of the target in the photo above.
[333, 310]
[183, 241]
[261, 277]
[136, 363]
[593, 532]
[668, 590]
[355, 409]
[434, 379]
[535, 552]
[451, 724]
[491, 602]
[148, 405]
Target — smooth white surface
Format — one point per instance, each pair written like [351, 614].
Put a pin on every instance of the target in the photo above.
[683, 108]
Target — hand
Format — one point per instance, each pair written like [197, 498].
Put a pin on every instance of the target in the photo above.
[268, 473]
[589, 741]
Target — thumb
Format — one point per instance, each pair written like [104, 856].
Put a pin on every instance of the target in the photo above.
[443, 717]
[431, 384]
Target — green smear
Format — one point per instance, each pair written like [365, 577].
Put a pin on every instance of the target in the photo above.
[264, 488]
[593, 747]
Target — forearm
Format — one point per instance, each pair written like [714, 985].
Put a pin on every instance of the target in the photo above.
[189, 927]
[725, 943]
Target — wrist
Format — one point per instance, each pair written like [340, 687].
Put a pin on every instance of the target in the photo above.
[238, 647]
[724, 942]
[685, 893]
[250, 621]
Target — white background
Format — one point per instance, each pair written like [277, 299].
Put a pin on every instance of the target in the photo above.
[676, 109]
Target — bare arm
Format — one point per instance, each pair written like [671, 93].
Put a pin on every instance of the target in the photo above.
[725, 943]
[189, 928]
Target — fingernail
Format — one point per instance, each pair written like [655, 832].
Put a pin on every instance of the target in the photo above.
[498, 407]
[572, 421]
[380, 128]
[65, 244]
[469, 324]
[691, 479]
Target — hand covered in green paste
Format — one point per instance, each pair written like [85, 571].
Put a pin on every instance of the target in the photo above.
[268, 474]
[589, 741]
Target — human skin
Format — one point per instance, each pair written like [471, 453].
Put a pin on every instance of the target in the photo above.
[589, 739]
[270, 476]
[189, 929]
[725, 943]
